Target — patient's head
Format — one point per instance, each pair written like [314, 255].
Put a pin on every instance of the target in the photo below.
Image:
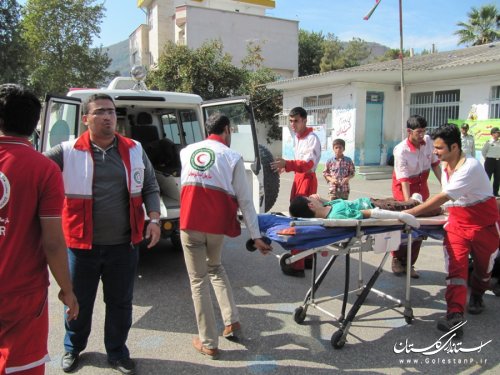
[302, 206]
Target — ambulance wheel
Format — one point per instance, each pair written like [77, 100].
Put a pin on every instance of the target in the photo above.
[271, 178]
[338, 340]
[299, 315]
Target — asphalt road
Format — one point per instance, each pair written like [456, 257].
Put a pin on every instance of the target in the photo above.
[379, 341]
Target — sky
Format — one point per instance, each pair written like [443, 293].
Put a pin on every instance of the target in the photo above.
[425, 22]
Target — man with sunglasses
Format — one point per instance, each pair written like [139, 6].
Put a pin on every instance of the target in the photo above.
[413, 160]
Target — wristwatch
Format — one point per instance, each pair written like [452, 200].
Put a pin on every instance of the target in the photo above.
[155, 221]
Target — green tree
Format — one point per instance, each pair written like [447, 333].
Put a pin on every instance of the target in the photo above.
[209, 72]
[310, 52]
[482, 27]
[341, 55]
[12, 47]
[393, 54]
[59, 36]
[206, 71]
[355, 52]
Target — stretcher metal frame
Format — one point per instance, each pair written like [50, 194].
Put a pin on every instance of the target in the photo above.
[361, 241]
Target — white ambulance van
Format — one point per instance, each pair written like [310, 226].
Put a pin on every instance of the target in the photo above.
[165, 122]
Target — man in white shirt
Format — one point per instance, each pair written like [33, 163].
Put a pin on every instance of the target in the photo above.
[471, 228]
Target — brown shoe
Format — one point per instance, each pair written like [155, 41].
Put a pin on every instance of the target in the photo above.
[397, 267]
[414, 274]
[232, 330]
[211, 353]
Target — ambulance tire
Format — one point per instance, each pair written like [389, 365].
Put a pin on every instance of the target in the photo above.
[271, 178]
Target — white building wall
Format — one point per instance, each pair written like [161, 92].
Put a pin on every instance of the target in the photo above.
[474, 93]
[278, 38]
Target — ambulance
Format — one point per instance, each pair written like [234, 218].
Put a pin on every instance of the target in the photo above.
[164, 123]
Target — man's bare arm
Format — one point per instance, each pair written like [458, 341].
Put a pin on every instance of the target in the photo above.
[54, 247]
[428, 206]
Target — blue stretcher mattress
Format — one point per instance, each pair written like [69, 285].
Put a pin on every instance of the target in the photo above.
[313, 236]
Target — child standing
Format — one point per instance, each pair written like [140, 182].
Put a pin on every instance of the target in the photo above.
[338, 171]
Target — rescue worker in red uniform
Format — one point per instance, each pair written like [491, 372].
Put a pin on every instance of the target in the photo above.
[413, 160]
[471, 228]
[307, 152]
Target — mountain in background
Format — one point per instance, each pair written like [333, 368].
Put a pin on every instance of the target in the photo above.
[120, 58]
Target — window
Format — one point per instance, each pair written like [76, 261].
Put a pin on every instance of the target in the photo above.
[436, 107]
[319, 109]
[495, 102]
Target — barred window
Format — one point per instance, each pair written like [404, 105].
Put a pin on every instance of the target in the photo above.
[495, 102]
[436, 107]
[319, 109]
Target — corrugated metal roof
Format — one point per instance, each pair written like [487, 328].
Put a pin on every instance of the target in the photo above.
[486, 53]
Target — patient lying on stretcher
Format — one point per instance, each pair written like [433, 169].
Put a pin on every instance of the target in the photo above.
[362, 208]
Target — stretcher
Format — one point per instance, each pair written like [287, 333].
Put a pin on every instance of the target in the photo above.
[336, 237]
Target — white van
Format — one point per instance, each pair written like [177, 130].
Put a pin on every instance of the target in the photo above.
[165, 122]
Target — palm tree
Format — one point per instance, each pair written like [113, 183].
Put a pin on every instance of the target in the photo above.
[483, 26]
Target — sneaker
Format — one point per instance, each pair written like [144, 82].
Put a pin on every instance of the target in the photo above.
[232, 330]
[124, 365]
[211, 353]
[397, 267]
[476, 304]
[495, 287]
[308, 263]
[293, 272]
[414, 274]
[417, 197]
[69, 361]
[450, 321]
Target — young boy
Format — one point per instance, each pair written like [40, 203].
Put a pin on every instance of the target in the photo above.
[362, 208]
[338, 171]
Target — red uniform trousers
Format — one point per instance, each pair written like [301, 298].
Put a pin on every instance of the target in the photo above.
[24, 328]
[303, 184]
[482, 243]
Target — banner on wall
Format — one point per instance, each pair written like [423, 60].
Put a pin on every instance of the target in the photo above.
[480, 129]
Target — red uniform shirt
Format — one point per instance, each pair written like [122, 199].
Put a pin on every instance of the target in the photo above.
[31, 187]
[412, 165]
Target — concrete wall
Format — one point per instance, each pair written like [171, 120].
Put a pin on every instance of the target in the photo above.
[277, 37]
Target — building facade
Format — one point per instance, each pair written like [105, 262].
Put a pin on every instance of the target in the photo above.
[237, 23]
[367, 107]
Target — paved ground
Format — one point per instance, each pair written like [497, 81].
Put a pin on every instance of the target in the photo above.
[163, 325]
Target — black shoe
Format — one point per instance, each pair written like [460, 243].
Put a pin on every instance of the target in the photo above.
[476, 304]
[450, 321]
[124, 365]
[293, 272]
[69, 361]
[308, 263]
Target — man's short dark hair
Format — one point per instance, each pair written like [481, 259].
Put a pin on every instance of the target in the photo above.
[449, 133]
[299, 207]
[339, 141]
[94, 97]
[416, 122]
[298, 111]
[19, 110]
[216, 123]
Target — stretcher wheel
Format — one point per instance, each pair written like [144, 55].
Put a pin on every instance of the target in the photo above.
[408, 313]
[299, 315]
[283, 259]
[338, 341]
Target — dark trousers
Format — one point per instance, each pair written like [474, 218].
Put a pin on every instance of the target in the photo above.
[492, 168]
[116, 265]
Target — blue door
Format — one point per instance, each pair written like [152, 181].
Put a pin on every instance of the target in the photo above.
[373, 127]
